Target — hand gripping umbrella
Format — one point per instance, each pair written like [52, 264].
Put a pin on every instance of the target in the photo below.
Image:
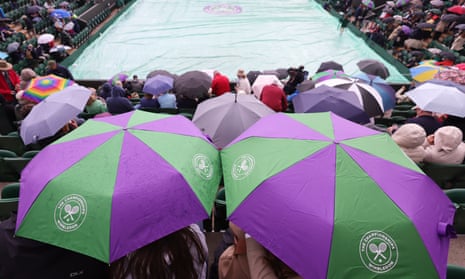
[118, 183]
[341, 201]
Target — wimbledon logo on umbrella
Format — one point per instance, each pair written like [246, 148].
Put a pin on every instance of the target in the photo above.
[378, 251]
[203, 166]
[242, 166]
[70, 212]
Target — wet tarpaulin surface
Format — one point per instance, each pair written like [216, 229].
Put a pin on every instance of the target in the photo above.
[183, 35]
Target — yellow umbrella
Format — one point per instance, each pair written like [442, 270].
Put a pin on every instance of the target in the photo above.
[426, 70]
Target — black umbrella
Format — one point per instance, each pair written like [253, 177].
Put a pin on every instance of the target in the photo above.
[389, 20]
[161, 72]
[306, 85]
[193, 84]
[449, 17]
[271, 72]
[447, 55]
[330, 65]
[425, 25]
[33, 9]
[252, 76]
[373, 67]
[282, 73]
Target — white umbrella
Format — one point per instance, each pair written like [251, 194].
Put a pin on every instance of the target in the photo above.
[47, 117]
[439, 98]
[369, 97]
[262, 81]
[225, 117]
[45, 38]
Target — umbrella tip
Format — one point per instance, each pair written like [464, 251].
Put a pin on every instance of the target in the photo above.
[235, 97]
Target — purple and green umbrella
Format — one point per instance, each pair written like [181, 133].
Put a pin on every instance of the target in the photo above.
[118, 183]
[334, 199]
[329, 74]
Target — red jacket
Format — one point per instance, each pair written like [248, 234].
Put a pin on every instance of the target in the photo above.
[274, 97]
[4, 89]
[220, 84]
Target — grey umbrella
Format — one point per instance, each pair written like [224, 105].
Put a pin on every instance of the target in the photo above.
[448, 55]
[306, 85]
[193, 84]
[330, 65]
[373, 67]
[12, 47]
[50, 115]
[225, 117]
[282, 73]
[449, 17]
[161, 72]
[252, 76]
[33, 9]
[425, 25]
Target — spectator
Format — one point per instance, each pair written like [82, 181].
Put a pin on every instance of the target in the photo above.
[135, 85]
[274, 97]
[26, 258]
[54, 68]
[411, 138]
[426, 120]
[446, 146]
[167, 100]
[295, 77]
[94, 104]
[220, 84]
[117, 104]
[182, 254]
[148, 102]
[243, 83]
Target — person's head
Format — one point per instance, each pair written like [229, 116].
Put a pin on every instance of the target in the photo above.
[135, 77]
[27, 74]
[166, 258]
[410, 138]
[5, 66]
[52, 64]
[448, 138]
[241, 74]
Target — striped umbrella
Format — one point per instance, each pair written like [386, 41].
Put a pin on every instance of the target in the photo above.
[425, 71]
[329, 74]
[369, 3]
[40, 88]
[387, 92]
[368, 96]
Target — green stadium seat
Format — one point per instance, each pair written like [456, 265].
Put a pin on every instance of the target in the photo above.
[455, 272]
[10, 191]
[7, 206]
[447, 176]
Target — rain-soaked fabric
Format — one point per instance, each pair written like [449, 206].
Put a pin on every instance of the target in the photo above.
[183, 35]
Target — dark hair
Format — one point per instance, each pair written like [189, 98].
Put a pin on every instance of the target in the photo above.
[281, 270]
[166, 258]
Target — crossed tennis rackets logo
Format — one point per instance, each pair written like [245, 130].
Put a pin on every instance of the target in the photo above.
[70, 212]
[378, 251]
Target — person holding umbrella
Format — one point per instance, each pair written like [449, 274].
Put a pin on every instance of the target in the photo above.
[220, 84]
[56, 69]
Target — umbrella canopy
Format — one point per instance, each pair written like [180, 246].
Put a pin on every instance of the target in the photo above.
[225, 117]
[60, 13]
[447, 83]
[282, 73]
[252, 76]
[437, 3]
[460, 26]
[371, 99]
[122, 77]
[439, 98]
[425, 25]
[456, 10]
[118, 183]
[45, 38]
[193, 84]
[406, 29]
[40, 88]
[425, 71]
[325, 98]
[387, 92]
[329, 74]
[455, 75]
[33, 9]
[50, 115]
[449, 17]
[158, 84]
[262, 81]
[343, 197]
[330, 65]
[161, 72]
[401, 3]
[369, 3]
[12, 47]
[305, 85]
[373, 67]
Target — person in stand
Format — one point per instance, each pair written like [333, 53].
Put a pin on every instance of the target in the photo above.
[56, 69]
[243, 83]
[426, 120]
[343, 22]
[220, 84]
[117, 104]
[9, 85]
[22, 258]
[274, 97]
[182, 254]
